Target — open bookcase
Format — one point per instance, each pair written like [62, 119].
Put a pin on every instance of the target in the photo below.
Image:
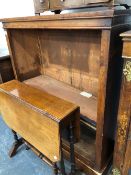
[66, 55]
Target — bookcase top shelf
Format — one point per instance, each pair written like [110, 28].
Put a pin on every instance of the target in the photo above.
[84, 20]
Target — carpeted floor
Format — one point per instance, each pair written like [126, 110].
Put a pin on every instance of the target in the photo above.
[25, 162]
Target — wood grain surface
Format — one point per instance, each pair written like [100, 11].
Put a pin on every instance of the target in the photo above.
[45, 103]
[88, 106]
[36, 116]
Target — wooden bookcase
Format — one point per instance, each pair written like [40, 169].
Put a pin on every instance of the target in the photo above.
[122, 153]
[68, 54]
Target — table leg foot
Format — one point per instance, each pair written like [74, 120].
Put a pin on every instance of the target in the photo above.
[62, 167]
[18, 142]
[15, 147]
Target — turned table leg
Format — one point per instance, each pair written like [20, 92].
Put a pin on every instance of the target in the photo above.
[72, 151]
[62, 165]
[18, 142]
[15, 136]
[55, 168]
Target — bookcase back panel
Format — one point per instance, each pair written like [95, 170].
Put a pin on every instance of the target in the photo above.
[72, 56]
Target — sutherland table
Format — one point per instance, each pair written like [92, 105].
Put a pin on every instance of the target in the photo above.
[39, 119]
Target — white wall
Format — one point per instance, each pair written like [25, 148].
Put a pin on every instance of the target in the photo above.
[13, 8]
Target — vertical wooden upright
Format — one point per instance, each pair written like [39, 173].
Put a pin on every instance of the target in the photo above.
[122, 155]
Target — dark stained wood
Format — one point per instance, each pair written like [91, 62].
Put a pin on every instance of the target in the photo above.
[6, 70]
[122, 158]
[85, 148]
[76, 52]
[127, 161]
[1, 81]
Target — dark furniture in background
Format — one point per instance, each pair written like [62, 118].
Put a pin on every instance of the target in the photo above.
[122, 152]
[6, 70]
[58, 5]
[65, 55]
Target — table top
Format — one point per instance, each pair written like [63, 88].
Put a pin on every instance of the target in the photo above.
[49, 105]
